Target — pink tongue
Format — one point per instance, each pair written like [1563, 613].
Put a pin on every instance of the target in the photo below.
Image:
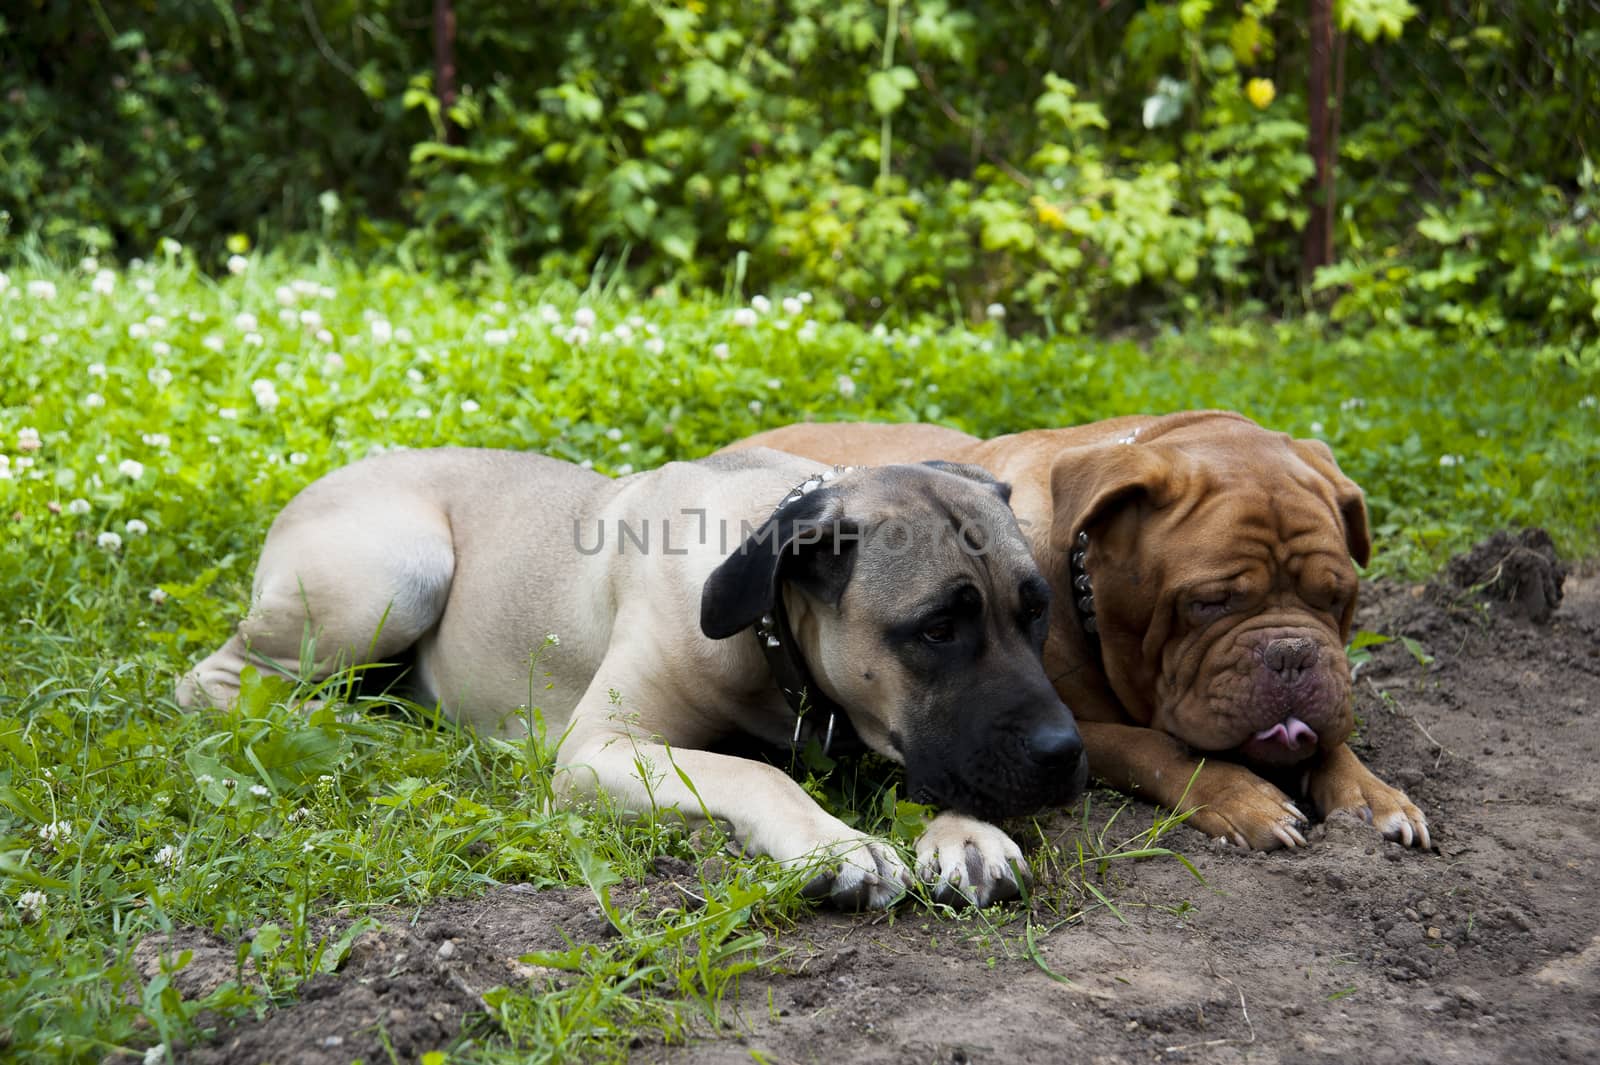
[1289, 732]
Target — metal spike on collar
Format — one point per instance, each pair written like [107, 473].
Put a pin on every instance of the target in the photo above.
[1081, 583]
[812, 483]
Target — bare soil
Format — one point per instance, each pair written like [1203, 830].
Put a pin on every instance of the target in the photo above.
[1353, 949]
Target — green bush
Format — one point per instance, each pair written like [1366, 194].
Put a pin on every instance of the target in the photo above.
[1098, 167]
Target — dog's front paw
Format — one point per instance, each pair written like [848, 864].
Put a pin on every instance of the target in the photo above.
[1344, 784]
[863, 874]
[969, 861]
[1237, 806]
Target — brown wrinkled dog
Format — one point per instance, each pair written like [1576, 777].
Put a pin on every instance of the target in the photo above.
[1204, 595]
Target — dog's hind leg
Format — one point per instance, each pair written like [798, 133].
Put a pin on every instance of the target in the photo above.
[348, 584]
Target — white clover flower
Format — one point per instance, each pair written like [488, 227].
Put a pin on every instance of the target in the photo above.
[846, 385]
[28, 439]
[549, 315]
[586, 464]
[42, 290]
[237, 264]
[805, 297]
[160, 376]
[5, 282]
[995, 311]
[655, 346]
[382, 331]
[285, 296]
[324, 336]
[160, 440]
[577, 336]
[298, 458]
[720, 351]
[469, 406]
[497, 338]
[138, 330]
[414, 375]
[552, 639]
[5, 471]
[755, 407]
[24, 462]
[311, 319]
[205, 780]
[260, 791]
[135, 527]
[624, 448]
[774, 384]
[625, 469]
[212, 343]
[158, 597]
[333, 362]
[613, 435]
[94, 401]
[1589, 401]
[1316, 427]
[109, 542]
[299, 815]
[583, 317]
[131, 468]
[143, 284]
[623, 332]
[78, 506]
[1450, 460]
[424, 413]
[761, 304]
[808, 329]
[30, 906]
[792, 306]
[55, 833]
[744, 317]
[104, 283]
[161, 349]
[403, 335]
[156, 323]
[254, 340]
[169, 857]
[267, 401]
[97, 369]
[245, 322]
[227, 413]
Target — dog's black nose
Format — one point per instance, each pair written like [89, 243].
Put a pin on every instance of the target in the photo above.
[1056, 746]
[1291, 655]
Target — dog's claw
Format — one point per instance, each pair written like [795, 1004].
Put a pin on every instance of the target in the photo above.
[865, 874]
[1294, 811]
[969, 862]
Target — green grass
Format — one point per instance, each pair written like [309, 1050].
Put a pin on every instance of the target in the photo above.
[151, 431]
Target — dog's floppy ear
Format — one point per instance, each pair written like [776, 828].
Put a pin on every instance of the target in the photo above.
[809, 541]
[1088, 484]
[974, 473]
[1346, 493]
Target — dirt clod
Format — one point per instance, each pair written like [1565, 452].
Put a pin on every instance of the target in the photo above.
[1518, 569]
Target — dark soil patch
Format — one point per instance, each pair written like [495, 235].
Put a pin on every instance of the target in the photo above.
[1352, 949]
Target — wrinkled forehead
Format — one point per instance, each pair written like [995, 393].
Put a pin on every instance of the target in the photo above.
[1265, 525]
[918, 543]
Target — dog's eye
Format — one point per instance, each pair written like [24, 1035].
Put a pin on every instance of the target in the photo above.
[938, 632]
[1036, 611]
[1208, 609]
